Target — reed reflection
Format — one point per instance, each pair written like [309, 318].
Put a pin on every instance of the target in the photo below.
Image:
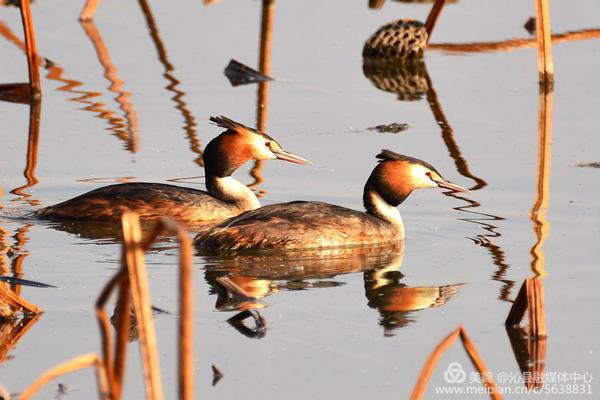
[129, 133]
[242, 282]
[117, 125]
[179, 95]
[33, 137]
[410, 81]
[14, 321]
[529, 343]
[262, 95]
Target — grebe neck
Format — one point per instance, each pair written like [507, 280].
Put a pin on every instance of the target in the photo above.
[376, 205]
[232, 191]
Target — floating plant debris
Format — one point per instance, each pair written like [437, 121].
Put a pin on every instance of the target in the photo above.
[15, 93]
[589, 164]
[530, 25]
[240, 74]
[217, 374]
[24, 282]
[394, 127]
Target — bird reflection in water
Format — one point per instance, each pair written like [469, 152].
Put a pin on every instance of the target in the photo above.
[410, 80]
[255, 277]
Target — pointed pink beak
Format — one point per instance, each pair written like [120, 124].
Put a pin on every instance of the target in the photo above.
[284, 155]
[452, 186]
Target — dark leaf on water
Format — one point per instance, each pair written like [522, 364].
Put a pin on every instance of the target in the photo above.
[217, 375]
[15, 93]
[589, 164]
[24, 282]
[240, 74]
[390, 128]
[530, 25]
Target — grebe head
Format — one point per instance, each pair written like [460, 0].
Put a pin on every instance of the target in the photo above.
[397, 176]
[239, 144]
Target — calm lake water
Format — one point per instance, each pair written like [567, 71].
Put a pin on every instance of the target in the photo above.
[336, 327]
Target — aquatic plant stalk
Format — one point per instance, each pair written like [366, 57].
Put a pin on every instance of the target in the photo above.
[544, 41]
[474, 356]
[32, 56]
[141, 302]
[186, 301]
[530, 299]
[433, 17]
[75, 364]
[89, 10]
[512, 44]
[16, 302]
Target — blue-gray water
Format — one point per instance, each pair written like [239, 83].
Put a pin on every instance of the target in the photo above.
[322, 341]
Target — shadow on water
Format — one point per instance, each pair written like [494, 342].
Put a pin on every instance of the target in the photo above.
[252, 278]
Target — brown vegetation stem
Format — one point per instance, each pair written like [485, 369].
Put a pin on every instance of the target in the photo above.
[122, 326]
[141, 300]
[544, 42]
[105, 330]
[75, 364]
[89, 10]
[32, 56]
[433, 17]
[433, 359]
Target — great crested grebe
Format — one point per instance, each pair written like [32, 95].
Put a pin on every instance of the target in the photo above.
[313, 224]
[225, 196]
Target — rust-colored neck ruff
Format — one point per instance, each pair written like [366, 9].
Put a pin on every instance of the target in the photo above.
[386, 189]
[226, 153]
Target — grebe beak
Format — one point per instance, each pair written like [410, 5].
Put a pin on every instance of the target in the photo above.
[451, 186]
[284, 155]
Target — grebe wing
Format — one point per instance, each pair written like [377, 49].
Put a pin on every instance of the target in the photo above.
[149, 200]
[296, 225]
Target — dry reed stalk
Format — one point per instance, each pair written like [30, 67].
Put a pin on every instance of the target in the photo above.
[75, 364]
[32, 55]
[433, 359]
[544, 42]
[512, 44]
[89, 10]
[12, 331]
[16, 303]
[530, 299]
[141, 300]
[186, 302]
[122, 326]
[433, 17]
[105, 332]
[536, 309]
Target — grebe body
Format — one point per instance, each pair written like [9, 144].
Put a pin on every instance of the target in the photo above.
[149, 200]
[305, 225]
[225, 196]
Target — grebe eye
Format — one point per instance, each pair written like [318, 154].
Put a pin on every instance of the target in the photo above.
[428, 174]
[268, 144]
